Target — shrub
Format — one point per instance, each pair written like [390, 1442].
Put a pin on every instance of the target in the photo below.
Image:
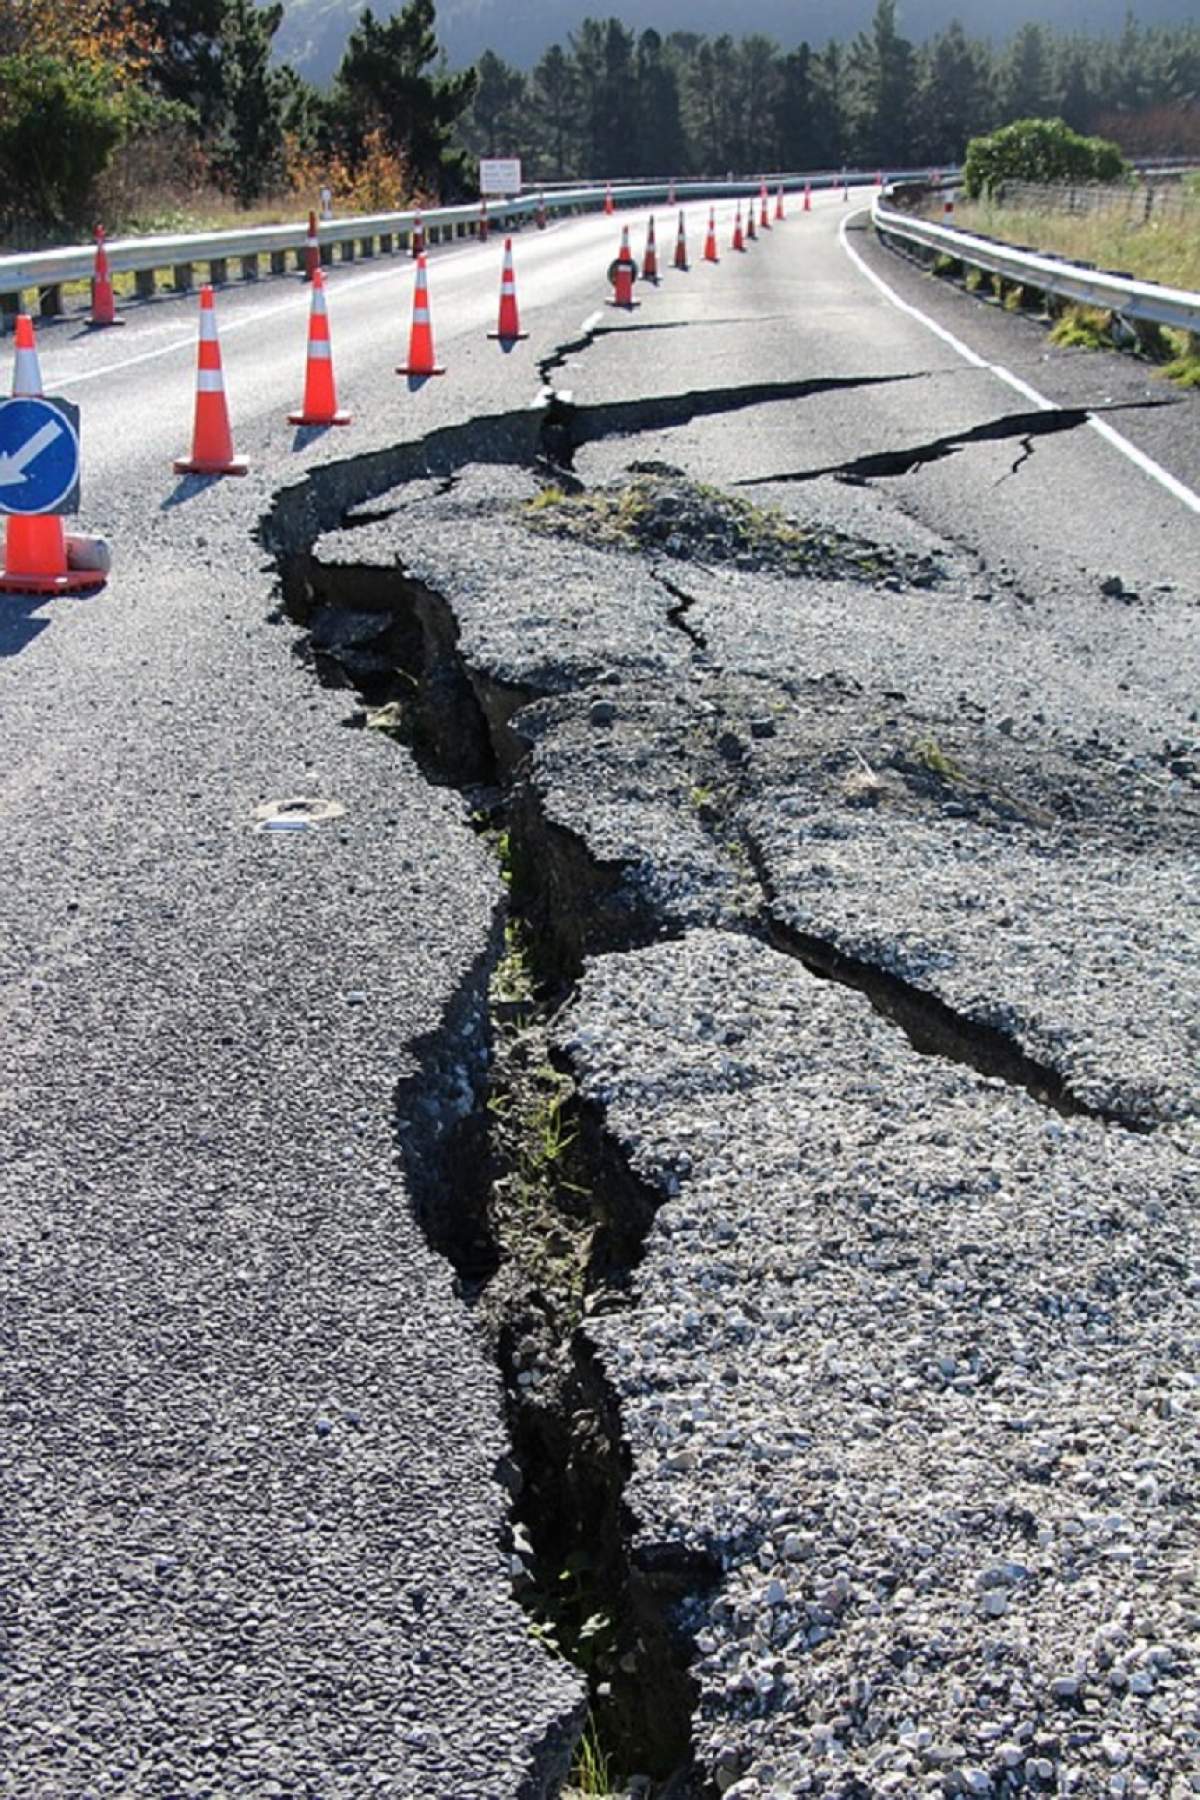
[60, 123]
[1038, 150]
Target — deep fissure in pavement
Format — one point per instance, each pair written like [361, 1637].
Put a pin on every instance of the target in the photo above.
[515, 1182]
[509, 1173]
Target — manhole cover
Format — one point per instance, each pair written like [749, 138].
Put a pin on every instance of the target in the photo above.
[296, 814]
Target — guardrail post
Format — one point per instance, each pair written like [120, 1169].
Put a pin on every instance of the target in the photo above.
[366, 246]
[250, 267]
[182, 276]
[279, 262]
[50, 301]
[347, 249]
[144, 283]
[326, 254]
[218, 271]
[10, 306]
[386, 242]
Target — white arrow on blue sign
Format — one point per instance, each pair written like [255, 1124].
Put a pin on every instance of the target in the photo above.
[39, 456]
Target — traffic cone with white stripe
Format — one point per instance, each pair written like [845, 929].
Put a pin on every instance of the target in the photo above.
[779, 202]
[765, 208]
[737, 242]
[808, 196]
[751, 229]
[608, 198]
[710, 239]
[212, 442]
[312, 249]
[622, 274]
[681, 261]
[418, 234]
[35, 544]
[421, 359]
[650, 258]
[320, 392]
[27, 370]
[104, 310]
[508, 330]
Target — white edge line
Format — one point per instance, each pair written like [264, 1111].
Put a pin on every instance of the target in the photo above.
[1171, 483]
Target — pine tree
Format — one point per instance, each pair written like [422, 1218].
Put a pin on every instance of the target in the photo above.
[387, 80]
[882, 83]
[555, 98]
[494, 122]
[953, 99]
[1025, 86]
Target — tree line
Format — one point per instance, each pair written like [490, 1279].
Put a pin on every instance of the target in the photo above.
[612, 102]
[192, 87]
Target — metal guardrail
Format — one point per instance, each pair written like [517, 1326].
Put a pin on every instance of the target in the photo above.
[45, 272]
[1134, 300]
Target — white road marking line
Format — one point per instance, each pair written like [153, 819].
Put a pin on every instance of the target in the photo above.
[1171, 483]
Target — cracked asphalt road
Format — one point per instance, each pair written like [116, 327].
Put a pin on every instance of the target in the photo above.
[253, 1535]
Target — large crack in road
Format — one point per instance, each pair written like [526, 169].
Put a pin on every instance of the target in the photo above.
[669, 806]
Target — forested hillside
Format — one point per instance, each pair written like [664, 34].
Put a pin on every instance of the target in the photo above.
[143, 111]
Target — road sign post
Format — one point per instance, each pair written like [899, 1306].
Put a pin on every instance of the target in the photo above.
[39, 456]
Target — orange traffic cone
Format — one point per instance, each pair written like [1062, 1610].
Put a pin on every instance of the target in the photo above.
[738, 242]
[650, 258]
[27, 370]
[808, 196]
[509, 329]
[483, 222]
[622, 275]
[608, 198]
[681, 261]
[779, 202]
[418, 234]
[751, 230]
[35, 544]
[320, 393]
[104, 311]
[421, 359]
[765, 210]
[212, 444]
[710, 240]
[541, 213]
[312, 249]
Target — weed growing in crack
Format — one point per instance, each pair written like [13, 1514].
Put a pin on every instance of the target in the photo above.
[929, 753]
[666, 514]
[590, 1774]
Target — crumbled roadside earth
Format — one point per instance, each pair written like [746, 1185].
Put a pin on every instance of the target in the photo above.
[942, 782]
[907, 1358]
[661, 510]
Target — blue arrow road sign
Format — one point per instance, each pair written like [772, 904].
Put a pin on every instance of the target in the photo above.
[39, 456]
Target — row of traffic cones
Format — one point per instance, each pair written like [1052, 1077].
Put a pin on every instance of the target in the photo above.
[212, 441]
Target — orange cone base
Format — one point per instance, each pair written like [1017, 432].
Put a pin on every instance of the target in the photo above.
[303, 418]
[508, 337]
[75, 581]
[105, 324]
[185, 465]
[404, 369]
[623, 305]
